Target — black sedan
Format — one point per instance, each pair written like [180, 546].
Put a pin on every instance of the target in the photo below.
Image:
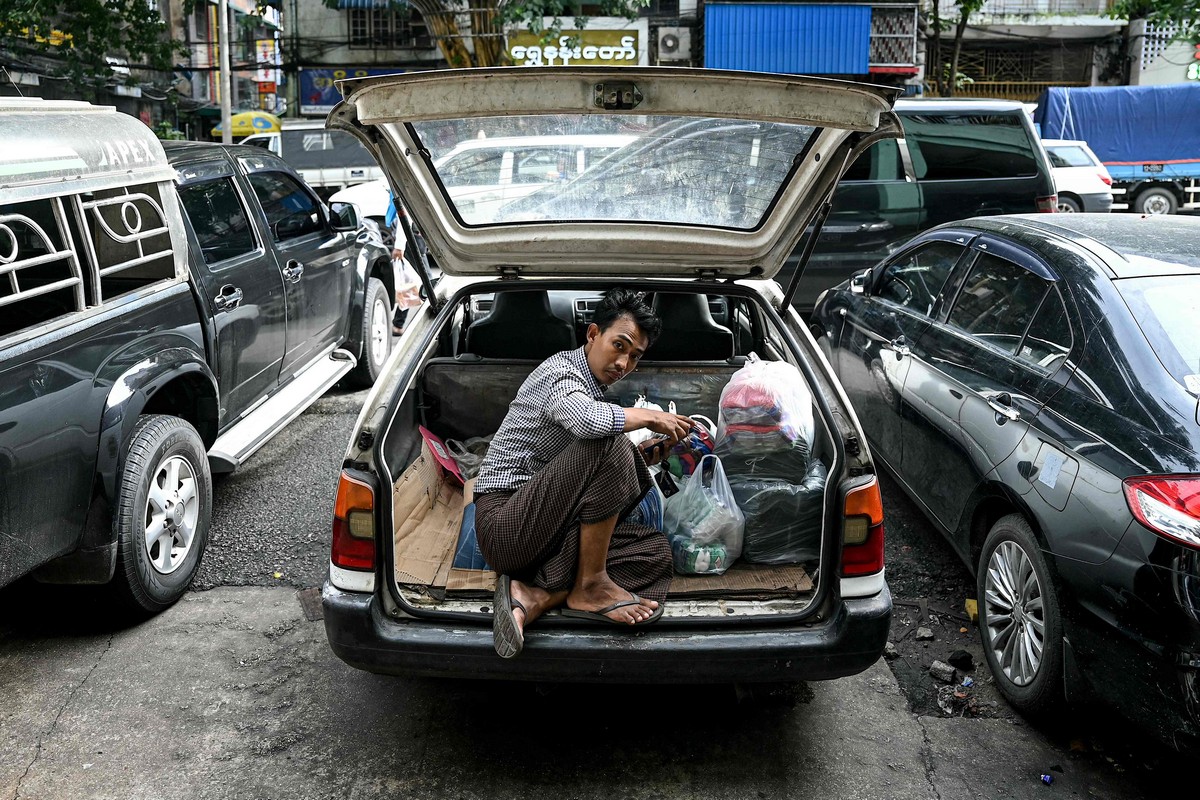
[1033, 383]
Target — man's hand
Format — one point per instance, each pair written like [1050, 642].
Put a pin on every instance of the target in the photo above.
[655, 450]
[673, 426]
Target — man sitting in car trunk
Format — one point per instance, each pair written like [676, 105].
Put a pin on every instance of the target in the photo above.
[560, 477]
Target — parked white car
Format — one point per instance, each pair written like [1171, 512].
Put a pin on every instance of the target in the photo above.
[482, 175]
[1083, 183]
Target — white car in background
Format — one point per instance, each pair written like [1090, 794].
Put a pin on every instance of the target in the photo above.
[1082, 182]
[481, 175]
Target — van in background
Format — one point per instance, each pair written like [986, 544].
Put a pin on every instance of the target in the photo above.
[958, 159]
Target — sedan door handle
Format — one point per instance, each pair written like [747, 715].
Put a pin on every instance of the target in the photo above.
[293, 271]
[900, 347]
[229, 298]
[1001, 403]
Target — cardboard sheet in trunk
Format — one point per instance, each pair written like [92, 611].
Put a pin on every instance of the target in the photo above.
[429, 513]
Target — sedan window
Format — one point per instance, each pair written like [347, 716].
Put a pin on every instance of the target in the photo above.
[915, 279]
[997, 301]
[1049, 339]
[1166, 308]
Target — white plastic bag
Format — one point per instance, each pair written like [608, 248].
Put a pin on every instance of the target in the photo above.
[704, 523]
[765, 408]
[408, 284]
[643, 434]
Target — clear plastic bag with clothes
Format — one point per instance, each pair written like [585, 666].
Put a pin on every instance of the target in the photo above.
[783, 519]
[765, 408]
[703, 522]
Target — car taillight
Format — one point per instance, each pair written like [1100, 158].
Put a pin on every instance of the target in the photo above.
[1107, 180]
[862, 531]
[354, 525]
[1047, 205]
[1169, 505]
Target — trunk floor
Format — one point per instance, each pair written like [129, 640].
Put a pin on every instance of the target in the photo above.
[429, 511]
[740, 580]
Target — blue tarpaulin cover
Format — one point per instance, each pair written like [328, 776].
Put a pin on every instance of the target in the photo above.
[1137, 131]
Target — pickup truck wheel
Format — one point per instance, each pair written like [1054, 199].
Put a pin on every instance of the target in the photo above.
[376, 333]
[163, 514]
[1156, 201]
[1019, 619]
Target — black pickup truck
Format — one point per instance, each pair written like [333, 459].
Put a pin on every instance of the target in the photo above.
[163, 313]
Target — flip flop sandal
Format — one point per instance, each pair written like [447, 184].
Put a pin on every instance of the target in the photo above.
[507, 638]
[600, 616]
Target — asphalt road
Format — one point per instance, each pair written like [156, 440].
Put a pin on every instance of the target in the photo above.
[233, 693]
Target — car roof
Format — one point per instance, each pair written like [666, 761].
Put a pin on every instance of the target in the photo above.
[1064, 143]
[1130, 245]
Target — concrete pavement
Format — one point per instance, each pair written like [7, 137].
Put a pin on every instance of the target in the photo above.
[233, 693]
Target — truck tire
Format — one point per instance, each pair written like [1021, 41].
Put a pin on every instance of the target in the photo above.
[1156, 200]
[163, 512]
[376, 334]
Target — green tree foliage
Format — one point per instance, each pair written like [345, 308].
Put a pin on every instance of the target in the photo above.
[1184, 13]
[470, 33]
[76, 38]
[945, 73]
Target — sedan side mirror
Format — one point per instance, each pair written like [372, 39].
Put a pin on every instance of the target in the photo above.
[859, 282]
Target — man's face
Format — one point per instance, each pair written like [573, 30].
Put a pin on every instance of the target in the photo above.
[614, 353]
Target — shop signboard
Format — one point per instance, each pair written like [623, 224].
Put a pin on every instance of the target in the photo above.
[587, 47]
[318, 87]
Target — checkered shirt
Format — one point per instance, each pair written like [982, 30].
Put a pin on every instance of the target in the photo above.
[559, 402]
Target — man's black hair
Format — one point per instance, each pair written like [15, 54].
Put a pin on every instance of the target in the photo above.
[619, 302]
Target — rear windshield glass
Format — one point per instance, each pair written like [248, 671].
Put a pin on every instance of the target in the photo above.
[689, 170]
[969, 146]
[1068, 157]
[1167, 308]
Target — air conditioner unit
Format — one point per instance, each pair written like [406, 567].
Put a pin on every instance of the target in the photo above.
[674, 44]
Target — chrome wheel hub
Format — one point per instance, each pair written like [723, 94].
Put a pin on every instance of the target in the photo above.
[1016, 622]
[172, 510]
[381, 332]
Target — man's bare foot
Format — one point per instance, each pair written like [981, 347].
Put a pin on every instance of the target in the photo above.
[534, 600]
[598, 593]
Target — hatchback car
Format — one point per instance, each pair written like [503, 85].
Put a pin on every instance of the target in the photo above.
[1081, 181]
[752, 159]
[1032, 383]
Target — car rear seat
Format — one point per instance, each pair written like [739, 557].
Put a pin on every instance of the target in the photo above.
[689, 331]
[521, 325]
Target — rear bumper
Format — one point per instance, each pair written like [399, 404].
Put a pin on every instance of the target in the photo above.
[1097, 203]
[846, 645]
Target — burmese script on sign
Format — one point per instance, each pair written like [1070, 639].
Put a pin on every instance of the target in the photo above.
[591, 47]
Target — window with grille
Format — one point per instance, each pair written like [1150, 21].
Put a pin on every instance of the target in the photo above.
[384, 28]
